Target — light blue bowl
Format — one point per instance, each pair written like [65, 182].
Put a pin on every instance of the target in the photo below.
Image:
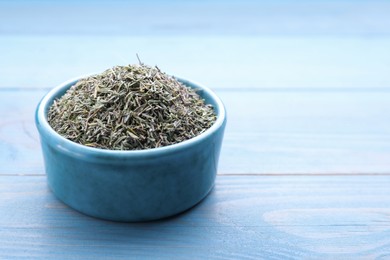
[131, 186]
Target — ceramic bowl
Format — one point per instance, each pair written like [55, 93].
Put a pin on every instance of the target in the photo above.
[131, 186]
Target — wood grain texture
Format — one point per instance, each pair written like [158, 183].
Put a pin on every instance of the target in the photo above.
[271, 217]
[261, 62]
[273, 132]
[364, 18]
[305, 165]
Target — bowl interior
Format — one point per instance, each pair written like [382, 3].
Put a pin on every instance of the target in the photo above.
[46, 130]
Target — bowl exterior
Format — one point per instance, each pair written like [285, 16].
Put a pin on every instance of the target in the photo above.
[127, 190]
[131, 188]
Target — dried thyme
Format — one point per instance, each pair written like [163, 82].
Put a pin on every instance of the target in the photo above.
[130, 108]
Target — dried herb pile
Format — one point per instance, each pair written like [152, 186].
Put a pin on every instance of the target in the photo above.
[130, 108]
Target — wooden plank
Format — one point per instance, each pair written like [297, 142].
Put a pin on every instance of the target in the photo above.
[273, 132]
[283, 62]
[307, 132]
[195, 17]
[246, 217]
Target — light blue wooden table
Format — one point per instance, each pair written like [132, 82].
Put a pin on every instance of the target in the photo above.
[305, 166]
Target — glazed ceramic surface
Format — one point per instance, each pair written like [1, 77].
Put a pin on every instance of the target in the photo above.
[131, 185]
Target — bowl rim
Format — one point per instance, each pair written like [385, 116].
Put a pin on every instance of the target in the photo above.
[70, 147]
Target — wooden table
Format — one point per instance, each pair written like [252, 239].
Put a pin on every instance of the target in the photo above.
[305, 166]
